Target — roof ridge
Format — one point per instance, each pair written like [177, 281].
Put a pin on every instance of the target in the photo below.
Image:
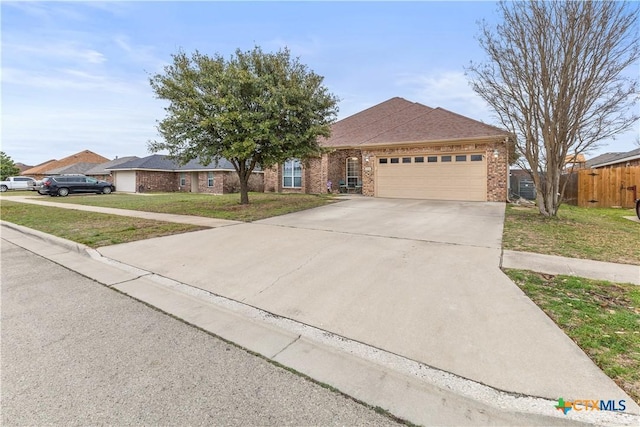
[421, 116]
[409, 104]
[469, 118]
[373, 106]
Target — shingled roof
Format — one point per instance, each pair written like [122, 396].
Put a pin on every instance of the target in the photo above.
[76, 168]
[161, 162]
[398, 121]
[102, 169]
[85, 156]
[613, 158]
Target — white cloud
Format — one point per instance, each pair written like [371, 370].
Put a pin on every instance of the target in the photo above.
[60, 51]
[138, 54]
[446, 89]
[61, 81]
[116, 127]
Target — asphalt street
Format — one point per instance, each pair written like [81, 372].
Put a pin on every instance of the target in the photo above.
[77, 353]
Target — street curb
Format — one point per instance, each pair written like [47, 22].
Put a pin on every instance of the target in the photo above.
[407, 389]
[78, 248]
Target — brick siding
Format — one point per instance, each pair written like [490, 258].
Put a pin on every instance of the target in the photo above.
[223, 182]
[157, 181]
[332, 166]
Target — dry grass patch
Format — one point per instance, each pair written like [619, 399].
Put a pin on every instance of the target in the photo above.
[587, 233]
[603, 318]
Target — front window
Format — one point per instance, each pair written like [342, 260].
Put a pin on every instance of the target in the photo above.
[210, 179]
[353, 171]
[183, 179]
[292, 174]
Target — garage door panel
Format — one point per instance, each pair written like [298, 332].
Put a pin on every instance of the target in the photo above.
[438, 181]
[125, 181]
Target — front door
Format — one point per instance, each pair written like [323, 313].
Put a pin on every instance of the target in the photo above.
[354, 167]
[194, 182]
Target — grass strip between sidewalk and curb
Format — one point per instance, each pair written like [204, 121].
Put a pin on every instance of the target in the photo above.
[227, 206]
[600, 234]
[89, 228]
[603, 318]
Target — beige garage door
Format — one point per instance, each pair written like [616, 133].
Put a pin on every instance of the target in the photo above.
[436, 177]
[125, 181]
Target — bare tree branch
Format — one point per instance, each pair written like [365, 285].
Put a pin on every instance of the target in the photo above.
[555, 77]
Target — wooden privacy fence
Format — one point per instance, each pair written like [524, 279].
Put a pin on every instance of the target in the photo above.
[605, 188]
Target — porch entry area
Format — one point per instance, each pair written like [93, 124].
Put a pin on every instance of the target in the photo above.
[353, 179]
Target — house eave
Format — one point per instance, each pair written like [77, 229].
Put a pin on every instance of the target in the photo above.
[174, 170]
[436, 142]
[615, 162]
[203, 170]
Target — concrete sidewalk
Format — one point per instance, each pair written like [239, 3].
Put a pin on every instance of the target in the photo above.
[180, 219]
[551, 264]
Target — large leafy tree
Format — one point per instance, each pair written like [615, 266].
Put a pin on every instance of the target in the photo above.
[556, 78]
[7, 167]
[254, 109]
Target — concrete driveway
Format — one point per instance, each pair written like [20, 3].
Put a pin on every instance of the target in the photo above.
[416, 278]
[462, 223]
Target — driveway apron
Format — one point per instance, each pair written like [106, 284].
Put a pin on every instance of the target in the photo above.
[417, 278]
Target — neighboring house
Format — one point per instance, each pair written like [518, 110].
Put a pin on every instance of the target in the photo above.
[36, 167]
[45, 169]
[74, 169]
[602, 158]
[101, 172]
[159, 173]
[22, 167]
[616, 160]
[404, 149]
[574, 163]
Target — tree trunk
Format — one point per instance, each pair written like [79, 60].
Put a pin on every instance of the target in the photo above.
[244, 190]
[548, 192]
[243, 174]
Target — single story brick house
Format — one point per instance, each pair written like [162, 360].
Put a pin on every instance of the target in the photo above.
[159, 173]
[102, 172]
[403, 149]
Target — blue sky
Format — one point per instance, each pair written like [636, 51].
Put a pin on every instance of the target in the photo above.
[75, 75]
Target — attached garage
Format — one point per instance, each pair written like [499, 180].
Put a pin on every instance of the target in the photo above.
[125, 181]
[450, 176]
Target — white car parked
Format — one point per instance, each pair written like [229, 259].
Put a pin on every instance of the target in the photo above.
[18, 183]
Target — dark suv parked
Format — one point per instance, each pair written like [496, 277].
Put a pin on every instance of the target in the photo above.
[62, 185]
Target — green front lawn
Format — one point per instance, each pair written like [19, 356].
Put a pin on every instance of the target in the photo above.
[603, 318]
[588, 233]
[89, 228]
[23, 193]
[261, 205]
[94, 229]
